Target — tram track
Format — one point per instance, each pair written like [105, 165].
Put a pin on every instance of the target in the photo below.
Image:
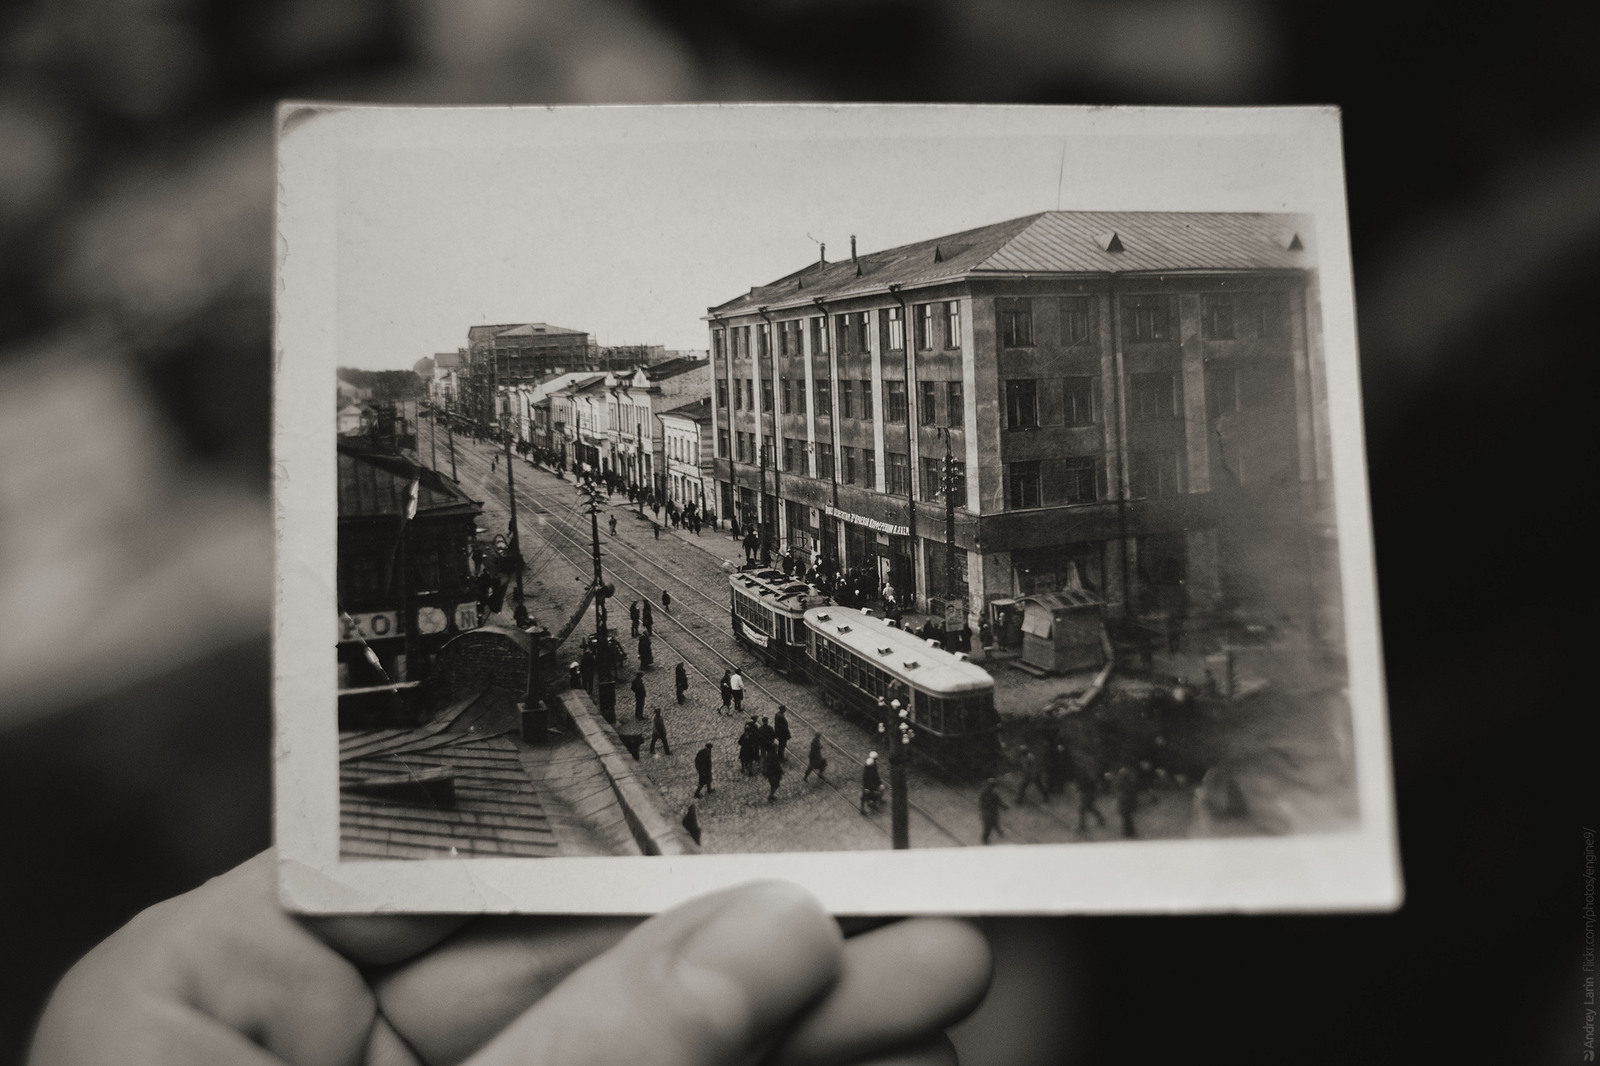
[562, 526]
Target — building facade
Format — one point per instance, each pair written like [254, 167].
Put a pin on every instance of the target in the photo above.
[637, 450]
[1127, 402]
[686, 440]
[514, 353]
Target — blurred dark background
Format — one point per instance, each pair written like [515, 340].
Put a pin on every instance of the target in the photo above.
[135, 198]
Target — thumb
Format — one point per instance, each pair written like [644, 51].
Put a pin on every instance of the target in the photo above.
[710, 983]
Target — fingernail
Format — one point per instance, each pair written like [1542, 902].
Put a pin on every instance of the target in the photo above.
[772, 948]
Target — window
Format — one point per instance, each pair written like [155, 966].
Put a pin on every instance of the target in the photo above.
[1078, 401]
[766, 395]
[722, 394]
[924, 314]
[824, 398]
[849, 465]
[825, 460]
[819, 336]
[952, 324]
[791, 454]
[1271, 315]
[1216, 316]
[846, 401]
[930, 478]
[866, 401]
[764, 339]
[1074, 319]
[852, 327]
[894, 401]
[1014, 320]
[1155, 473]
[1153, 396]
[927, 403]
[716, 345]
[770, 454]
[1081, 480]
[1022, 403]
[955, 405]
[869, 467]
[1148, 317]
[1022, 485]
[789, 337]
[899, 471]
[750, 393]
[738, 445]
[787, 388]
[738, 394]
[894, 329]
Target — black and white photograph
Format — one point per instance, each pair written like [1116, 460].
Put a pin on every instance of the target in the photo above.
[770, 481]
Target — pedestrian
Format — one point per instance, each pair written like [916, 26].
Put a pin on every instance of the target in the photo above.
[815, 760]
[989, 807]
[574, 675]
[1030, 776]
[691, 823]
[658, 731]
[633, 616]
[647, 657]
[680, 680]
[649, 617]
[966, 637]
[985, 634]
[586, 668]
[780, 730]
[666, 600]
[638, 695]
[655, 528]
[871, 783]
[772, 768]
[767, 735]
[727, 692]
[1126, 784]
[733, 526]
[1088, 792]
[702, 766]
[1056, 766]
[613, 524]
[748, 749]
[736, 683]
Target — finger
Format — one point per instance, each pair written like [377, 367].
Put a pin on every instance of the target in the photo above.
[225, 951]
[710, 983]
[451, 1001]
[386, 939]
[901, 983]
[386, 1048]
[934, 1051]
[138, 1030]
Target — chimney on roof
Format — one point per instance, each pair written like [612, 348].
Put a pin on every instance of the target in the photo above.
[853, 258]
[823, 255]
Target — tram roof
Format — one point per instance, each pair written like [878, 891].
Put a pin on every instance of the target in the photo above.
[779, 586]
[898, 651]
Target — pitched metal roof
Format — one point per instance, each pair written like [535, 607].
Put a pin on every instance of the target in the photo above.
[373, 484]
[1056, 242]
[529, 329]
[671, 368]
[699, 411]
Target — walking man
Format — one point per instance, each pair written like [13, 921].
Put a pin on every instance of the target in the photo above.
[681, 681]
[749, 749]
[780, 730]
[736, 683]
[647, 657]
[633, 616]
[666, 600]
[1030, 776]
[767, 737]
[613, 524]
[815, 760]
[638, 695]
[702, 766]
[989, 807]
[772, 767]
[648, 618]
[727, 692]
[658, 731]
[871, 783]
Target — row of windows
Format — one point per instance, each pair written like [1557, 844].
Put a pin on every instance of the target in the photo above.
[971, 714]
[935, 323]
[1151, 473]
[1223, 316]
[842, 662]
[962, 714]
[683, 449]
[855, 399]
[752, 613]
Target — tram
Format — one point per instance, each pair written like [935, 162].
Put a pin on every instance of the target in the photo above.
[855, 657]
[767, 609]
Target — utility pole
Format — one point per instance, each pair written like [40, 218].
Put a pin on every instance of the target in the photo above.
[450, 439]
[433, 435]
[894, 728]
[954, 590]
[511, 483]
[605, 684]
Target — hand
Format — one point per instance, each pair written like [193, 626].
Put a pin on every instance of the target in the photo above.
[222, 976]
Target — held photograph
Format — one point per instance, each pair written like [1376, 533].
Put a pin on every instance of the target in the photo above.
[950, 509]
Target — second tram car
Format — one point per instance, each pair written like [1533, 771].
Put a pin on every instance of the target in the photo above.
[857, 657]
[768, 608]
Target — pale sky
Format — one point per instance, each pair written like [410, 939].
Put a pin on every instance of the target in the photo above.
[629, 223]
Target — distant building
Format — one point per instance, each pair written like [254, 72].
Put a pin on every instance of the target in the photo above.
[636, 450]
[448, 369]
[515, 353]
[405, 585]
[1133, 403]
[352, 420]
[686, 439]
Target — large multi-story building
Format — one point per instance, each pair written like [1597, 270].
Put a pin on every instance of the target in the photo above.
[514, 353]
[1131, 402]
